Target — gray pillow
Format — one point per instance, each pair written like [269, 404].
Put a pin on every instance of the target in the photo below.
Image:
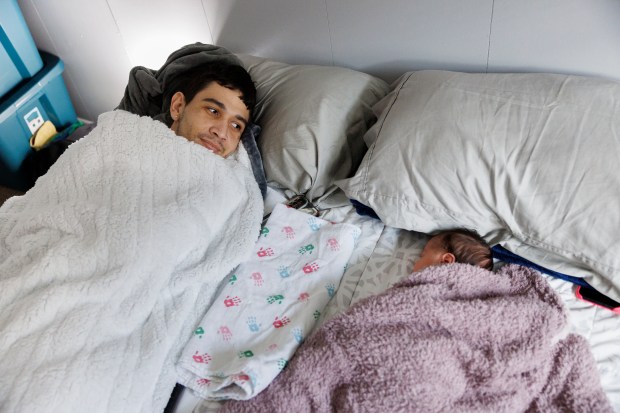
[313, 119]
[528, 160]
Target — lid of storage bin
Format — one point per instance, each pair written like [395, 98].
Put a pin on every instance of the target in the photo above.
[19, 57]
[52, 67]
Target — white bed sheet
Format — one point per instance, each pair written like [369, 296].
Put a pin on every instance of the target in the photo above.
[385, 255]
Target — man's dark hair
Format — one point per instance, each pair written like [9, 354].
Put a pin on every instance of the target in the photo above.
[197, 78]
[468, 247]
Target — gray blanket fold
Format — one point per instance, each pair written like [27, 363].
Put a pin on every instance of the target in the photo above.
[451, 338]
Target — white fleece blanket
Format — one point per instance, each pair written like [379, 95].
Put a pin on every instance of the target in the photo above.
[109, 260]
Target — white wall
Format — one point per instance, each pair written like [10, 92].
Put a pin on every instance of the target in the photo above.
[100, 40]
[389, 37]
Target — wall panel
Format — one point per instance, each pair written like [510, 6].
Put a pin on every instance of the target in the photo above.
[152, 29]
[293, 31]
[563, 36]
[389, 38]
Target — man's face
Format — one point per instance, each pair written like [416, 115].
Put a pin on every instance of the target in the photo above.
[215, 118]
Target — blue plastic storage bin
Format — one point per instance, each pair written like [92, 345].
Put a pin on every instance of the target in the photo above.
[23, 111]
[19, 57]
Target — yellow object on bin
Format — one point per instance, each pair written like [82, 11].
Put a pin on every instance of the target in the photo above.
[43, 135]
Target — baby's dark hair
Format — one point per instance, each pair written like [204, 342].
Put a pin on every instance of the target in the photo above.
[197, 78]
[467, 246]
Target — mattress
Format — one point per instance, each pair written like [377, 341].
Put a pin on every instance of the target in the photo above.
[385, 255]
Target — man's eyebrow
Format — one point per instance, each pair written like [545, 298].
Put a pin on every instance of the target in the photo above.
[223, 107]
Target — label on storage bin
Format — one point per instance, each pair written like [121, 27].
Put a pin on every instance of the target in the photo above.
[34, 120]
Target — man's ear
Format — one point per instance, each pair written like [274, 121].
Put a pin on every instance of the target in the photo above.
[448, 258]
[177, 104]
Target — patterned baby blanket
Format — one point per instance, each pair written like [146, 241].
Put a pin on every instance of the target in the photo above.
[270, 303]
[452, 338]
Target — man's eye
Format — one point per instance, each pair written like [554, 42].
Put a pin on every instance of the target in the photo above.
[236, 126]
[214, 111]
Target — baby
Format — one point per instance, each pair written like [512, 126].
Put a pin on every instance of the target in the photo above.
[456, 245]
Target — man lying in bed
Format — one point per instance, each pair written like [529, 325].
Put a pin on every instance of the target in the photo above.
[119, 248]
[186, 72]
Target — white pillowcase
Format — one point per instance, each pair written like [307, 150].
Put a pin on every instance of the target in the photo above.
[527, 160]
[313, 119]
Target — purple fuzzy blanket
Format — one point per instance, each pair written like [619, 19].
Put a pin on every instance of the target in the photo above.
[452, 338]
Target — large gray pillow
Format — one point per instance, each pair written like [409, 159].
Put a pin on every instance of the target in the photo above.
[528, 160]
[313, 119]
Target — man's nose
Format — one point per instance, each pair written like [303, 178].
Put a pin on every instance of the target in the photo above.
[220, 130]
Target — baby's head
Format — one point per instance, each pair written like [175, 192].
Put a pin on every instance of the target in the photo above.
[456, 245]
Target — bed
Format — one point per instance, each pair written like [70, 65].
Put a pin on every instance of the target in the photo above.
[520, 158]
[447, 149]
